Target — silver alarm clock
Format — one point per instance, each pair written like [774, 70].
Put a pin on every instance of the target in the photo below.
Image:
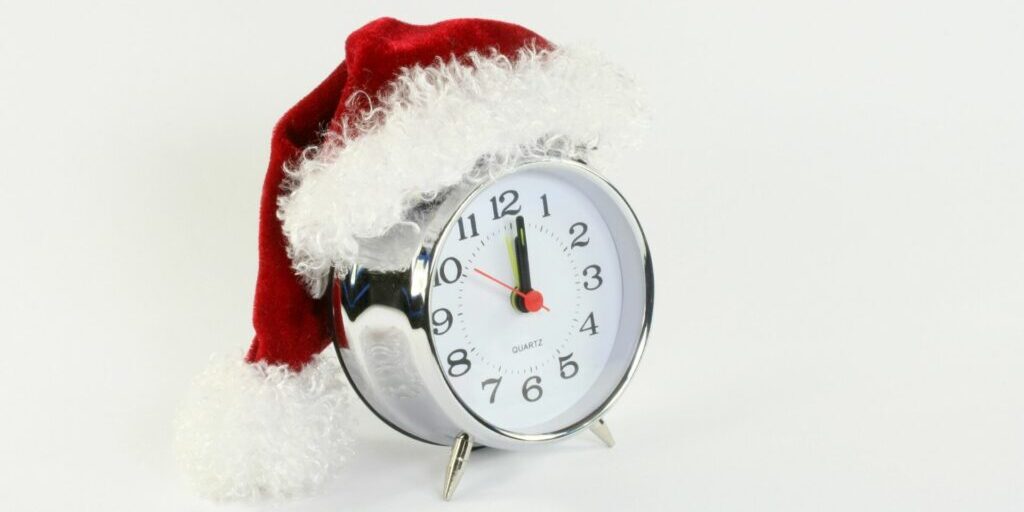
[519, 321]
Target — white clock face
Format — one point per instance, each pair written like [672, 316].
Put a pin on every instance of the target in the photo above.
[538, 297]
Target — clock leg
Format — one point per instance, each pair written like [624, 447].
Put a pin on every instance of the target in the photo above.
[600, 429]
[460, 454]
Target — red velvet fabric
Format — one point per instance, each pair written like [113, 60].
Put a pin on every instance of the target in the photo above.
[291, 326]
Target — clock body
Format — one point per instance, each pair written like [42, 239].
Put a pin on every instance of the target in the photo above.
[519, 316]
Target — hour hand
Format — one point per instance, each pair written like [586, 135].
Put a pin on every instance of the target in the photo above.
[522, 264]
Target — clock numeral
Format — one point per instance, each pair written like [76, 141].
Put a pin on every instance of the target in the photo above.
[459, 358]
[589, 325]
[532, 392]
[444, 324]
[472, 227]
[569, 368]
[544, 201]
[594, 281]
[507, 202]
[579, 241]
[449, 271]
[488, 382]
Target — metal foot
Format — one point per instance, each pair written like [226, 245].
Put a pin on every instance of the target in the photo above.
[600, 429]
[460, 454]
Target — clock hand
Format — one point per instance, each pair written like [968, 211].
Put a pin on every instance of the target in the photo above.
[533, 300]
[510, 245]
[522, 256]
[522, 265]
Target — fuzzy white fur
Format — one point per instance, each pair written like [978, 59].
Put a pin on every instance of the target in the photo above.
[438, 125]
[249, 431]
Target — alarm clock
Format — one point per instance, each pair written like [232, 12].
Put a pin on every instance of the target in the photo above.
[519, 321]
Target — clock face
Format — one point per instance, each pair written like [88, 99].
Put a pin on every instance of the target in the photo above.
[538, 298]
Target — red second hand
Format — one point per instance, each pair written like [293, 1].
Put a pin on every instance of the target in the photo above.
[514, 290]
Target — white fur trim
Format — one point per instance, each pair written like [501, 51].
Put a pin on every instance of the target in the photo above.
[249, 431]
[436, 126]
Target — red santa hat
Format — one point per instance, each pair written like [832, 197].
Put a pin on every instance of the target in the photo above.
[412, 110]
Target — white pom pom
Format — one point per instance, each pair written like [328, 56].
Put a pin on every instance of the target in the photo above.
[249, 431]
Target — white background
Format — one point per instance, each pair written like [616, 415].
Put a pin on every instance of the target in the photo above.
[833, 193]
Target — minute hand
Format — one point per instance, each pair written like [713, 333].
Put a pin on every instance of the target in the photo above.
[522, 256]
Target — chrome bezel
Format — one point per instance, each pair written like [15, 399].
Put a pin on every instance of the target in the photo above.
[452, 416]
